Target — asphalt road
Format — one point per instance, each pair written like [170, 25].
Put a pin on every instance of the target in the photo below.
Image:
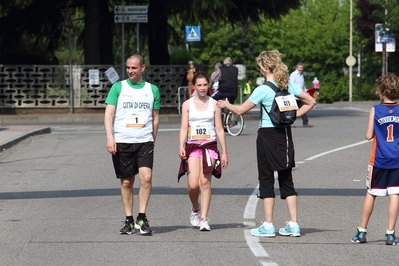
[60, 202]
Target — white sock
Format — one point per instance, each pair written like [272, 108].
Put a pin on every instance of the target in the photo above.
[292, 224]
[267, 225]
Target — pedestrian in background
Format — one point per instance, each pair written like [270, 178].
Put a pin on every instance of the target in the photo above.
[190, 71]
[316, 87]
[274, 145]
[247, 89]
[298, 78]
[131, 124]
[200, 124]
[316, 84]
[215, 85]
[383, 169]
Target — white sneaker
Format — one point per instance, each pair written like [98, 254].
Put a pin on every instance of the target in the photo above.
[204, 226]
[194, 218]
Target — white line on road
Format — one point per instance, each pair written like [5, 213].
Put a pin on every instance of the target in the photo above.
[338, 149]
[254, 245]
[250, 212]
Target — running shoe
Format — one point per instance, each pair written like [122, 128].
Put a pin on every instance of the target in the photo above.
[194, 218]
[128, 228]
[289, 230]
[204, 226]
[390, 239]
[263, 231]
[144, 226]
[359, 237]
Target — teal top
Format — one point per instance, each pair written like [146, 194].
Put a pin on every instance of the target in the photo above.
[265, 95]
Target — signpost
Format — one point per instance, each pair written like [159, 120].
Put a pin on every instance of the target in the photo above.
[68, 25]
[130, 14]
[192, 34]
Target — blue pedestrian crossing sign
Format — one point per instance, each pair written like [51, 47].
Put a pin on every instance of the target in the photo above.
[193, 34]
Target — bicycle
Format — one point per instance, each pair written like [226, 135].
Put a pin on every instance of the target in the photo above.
[233, 123]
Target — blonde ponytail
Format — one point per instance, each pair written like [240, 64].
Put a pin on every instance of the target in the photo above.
[272, 60]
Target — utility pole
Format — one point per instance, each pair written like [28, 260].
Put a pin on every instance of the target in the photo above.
[350, 60]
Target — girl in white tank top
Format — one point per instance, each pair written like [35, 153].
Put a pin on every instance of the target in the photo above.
[201, 125]
[201, 122]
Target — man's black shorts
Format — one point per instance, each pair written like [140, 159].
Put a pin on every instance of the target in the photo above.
[130, 157]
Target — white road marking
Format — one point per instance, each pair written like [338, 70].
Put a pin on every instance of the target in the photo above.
[250, 212]
[335, 150]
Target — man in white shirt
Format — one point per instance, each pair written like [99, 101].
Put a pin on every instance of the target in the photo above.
[298, 78]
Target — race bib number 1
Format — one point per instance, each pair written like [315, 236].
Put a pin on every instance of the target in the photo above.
[286, 103]
[135, 121]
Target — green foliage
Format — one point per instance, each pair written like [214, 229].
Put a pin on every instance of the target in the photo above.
[180, 57]
[373, 12]
[333, 88]
[317, 33]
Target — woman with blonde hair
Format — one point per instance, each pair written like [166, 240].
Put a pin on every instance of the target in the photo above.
[274, 145]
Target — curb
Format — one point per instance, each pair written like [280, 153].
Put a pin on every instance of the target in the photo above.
[23, 135]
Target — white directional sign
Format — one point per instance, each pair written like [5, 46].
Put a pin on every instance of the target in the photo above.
[130, 14]
[130, 10]
[134, 18]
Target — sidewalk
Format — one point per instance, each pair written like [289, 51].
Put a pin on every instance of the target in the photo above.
[10, 136]
[15, 128]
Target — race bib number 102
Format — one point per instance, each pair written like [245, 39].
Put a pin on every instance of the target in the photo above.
[200, 132]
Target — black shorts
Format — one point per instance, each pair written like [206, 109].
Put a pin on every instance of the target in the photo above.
[131, 156]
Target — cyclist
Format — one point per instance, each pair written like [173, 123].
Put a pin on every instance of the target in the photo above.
[227, 76]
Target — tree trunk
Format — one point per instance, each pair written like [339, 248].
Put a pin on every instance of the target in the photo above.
[92, 32]
[106, 41]
[158, 32]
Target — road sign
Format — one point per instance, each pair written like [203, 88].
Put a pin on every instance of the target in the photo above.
[351, 61]
[67, 19]
[241, 71]
[133, 18]
[130, 10]
[384, 35]
[193, 34]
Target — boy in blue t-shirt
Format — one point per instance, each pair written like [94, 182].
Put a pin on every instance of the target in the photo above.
[383, 169]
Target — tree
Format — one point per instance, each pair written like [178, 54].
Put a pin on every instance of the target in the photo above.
[373, 12]
[30, 31]
[98, 34]
[194, 11]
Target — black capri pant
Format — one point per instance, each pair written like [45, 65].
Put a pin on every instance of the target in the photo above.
[275, 152]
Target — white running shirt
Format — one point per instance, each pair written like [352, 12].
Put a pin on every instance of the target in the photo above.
[201, 124]
[133, 115]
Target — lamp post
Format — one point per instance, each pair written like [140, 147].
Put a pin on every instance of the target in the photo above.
[350, 60]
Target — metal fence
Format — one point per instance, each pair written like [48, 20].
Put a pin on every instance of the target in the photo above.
[52, 86]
